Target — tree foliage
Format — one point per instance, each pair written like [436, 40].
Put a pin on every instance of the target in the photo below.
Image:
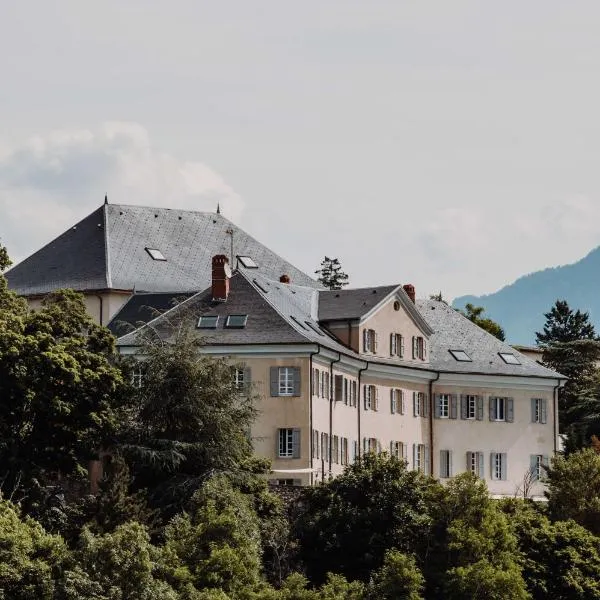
[331, 275]
[565, 325]
[474, 314]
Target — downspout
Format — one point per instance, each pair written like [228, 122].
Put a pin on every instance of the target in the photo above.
[101, 306]
[359, 399]
[555, 414]
[431, 409]
[310, 413]
[331, 390]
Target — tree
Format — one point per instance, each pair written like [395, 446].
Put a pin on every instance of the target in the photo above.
[565, 325]
[574, 489]
[474, 314]
[331, 274]
[399, 578]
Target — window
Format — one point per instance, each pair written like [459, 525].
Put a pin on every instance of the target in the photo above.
[208, 322]
[498, 466]
[398, 450]
[315, 444]
[285, 381]
[471, 407]
[137, 377]
[371, 397]
[353, 392]
[475, 463]
[501, 409]
[247, 262]
[370, 340]
[396, 345]
[344, 451]
[509, 358]
[241, 378]
[445, 464]
[236, 321]
[460, 355]
[419, 347]
[288, 443]
[155, 254]
[538, 462]
[421, 458]
[285, 482]
[371, 445]
[325, 446]
[538, 410]
[420, 405]
[397, 401]
[336, 449]
[444, 406]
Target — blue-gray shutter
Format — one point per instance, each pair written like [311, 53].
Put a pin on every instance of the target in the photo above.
[247, 380]
[392, 401]
[533, 466]
[464, 407]
[480, 408]
[427, 469]
[414, 347]
[492, 408]
[296, 443]
[481, 465]
[425, 405]
[450, 469]
[339, 387]
[492, 465]
[297, 380]
[453, 406]
[443, 463]
[545, 462]
[414, 465]
[277, 438]
[438, 406]
[533, 403]
[415, 412]
[365, 344]
[510, 410]
[405, 452]
[503, 466]
[274, 381]
[544, 410]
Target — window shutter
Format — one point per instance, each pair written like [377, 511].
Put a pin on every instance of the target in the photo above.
[533, 404]
[424, 357]
[414, 347]
[426, 470]
[402, 402]
[464, 407]
[425, 404]
[510, 410]
[443, 463]
[438, 406]
[544, 410]
[296, 372]
[480, 465]
[545, 461]
[469, 457]
[450, 470]
[365, 340]
[401, 346]
[492, 409]
[414, 456]
[393, 401]
[339, 387]
[375, 341]
[533, 466]
[391, 448]
[415, 411]
[453, 406]
[296, 443]
[278, 434]
[247, 379]
[405, 452]
[365, 403]
[354, 450]
[376, 398]
[315, 382]
[503, 466]
[480, 408]
[392, 344]
[274, 381]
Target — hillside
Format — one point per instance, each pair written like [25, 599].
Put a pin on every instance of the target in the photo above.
[520, 306]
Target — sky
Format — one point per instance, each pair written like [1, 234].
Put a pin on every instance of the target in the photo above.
[452, 145]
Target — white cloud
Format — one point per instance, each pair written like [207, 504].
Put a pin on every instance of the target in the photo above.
[51, 181]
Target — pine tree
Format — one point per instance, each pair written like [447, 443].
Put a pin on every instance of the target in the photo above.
[565, 325]
[331, 274]
[474, 314]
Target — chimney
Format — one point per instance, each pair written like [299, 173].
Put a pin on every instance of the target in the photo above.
[409, 288]
[220, 278]
[284, 278]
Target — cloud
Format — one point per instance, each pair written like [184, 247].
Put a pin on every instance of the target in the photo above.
[51, 181]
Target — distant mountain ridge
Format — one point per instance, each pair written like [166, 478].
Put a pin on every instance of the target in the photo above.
[520, 306]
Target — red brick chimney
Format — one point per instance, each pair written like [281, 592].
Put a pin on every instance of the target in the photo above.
[284, 278]
[409, 288]
[220, 278]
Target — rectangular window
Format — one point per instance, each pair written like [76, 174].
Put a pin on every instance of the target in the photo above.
[509, 358]
[444, 406]
[396, 345]
[420, 406]
[538, 410]
[155, 254]
[501, 409]
[397, 450]
[286, 443]
[370, 340]
[239, 379]
[208, 322]
[538, 463]
[286, 381]
[371, 397]
[419, 349]
[420, 459]
[137, 377]
[475, 463]
[354, 450]
[247, 262]
[344, 451]
[471, 406]
[498, 466]
[393, 402]
[445, 464]
[236, 321]
[460, 355]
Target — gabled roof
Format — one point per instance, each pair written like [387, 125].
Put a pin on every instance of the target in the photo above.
[107, 250]
[353, 303]
[453, 331]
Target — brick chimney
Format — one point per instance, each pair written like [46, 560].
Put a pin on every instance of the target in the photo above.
[220, 281]
[409, 288]
[284, 278]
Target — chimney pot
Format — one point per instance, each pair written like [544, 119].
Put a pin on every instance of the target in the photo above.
[410, 291]
[220, 280]
[285, 278]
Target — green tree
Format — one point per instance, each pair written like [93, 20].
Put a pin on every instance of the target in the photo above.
[474, 314]
[565, 325]
[399, 578]
[331, 275]
[347, 525]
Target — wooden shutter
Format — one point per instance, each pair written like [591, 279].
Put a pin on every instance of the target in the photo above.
[365, 404]
[480, 408]
[401, 346]
[425, 404]
[503, 466]
[481, 469]
[375, 341]
[510, 410]
[393, 401]
[492, 408]
[450, 469]
[544, 410]
[533, 466]
[339, 387]
[414, 347]
[315, 382]
[278, 435]
[415, 450]
[453, 406]
[533, 405]
[365, 340]
[427, 465]
[274, 381]
[424, 357]
[296, 381]
[468, 465]
[443, 463]
[405, 452]
[392, 449]
[415, 411]
[247, 380]
[392, 344]
[464, 407]
[296, 443]
[438, 406]
[375, 402]
[401, 401]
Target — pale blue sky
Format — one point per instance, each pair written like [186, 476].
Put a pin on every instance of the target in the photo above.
[454, 145]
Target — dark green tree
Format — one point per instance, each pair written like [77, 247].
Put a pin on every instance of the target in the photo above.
[474, 314]
[331, 275]
[565, 325]
[399, 578]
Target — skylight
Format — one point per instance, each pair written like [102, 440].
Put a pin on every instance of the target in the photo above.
[208, 322]
[461, 355]
[260, 287]
[155, 254]
[236, 321]
[247, 262]
[298, 322]
[509, 358]
[314, 328]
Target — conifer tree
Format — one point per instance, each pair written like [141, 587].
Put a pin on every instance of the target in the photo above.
[331, 275]
[565, 325]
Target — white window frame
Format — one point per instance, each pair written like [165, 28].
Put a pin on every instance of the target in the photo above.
[500, 402]
[539, 467]
[471, 407]
[497, 466]
[239, 378]
[286, 443]
[444, 406]
[137, 377]
[370, 341]
[286, 381]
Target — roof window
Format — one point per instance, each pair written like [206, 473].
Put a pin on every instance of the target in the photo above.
[247, 262]
[260, 287]
[155, 254]
[298, 322]
[208, 322]
[236, 321]
[509, 358]
[460, 355]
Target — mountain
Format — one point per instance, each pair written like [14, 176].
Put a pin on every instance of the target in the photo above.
[520, 306]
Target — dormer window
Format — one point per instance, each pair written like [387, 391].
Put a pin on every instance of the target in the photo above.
[370, 340]
[155, 254]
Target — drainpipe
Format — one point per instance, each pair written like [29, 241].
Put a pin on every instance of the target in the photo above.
[331, 390]
[431, 409]
[555, 414]
[101, 306]
[359, 399]
[310, 414]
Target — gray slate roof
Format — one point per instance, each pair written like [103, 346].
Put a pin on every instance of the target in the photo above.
[352, 303]
[106, 250]
[453, 331]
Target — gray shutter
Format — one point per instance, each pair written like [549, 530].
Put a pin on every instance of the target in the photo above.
[393, 402]
[402, 402]
[481, 465]
[401, 346]
[339, 387]
[425, 405]
[277, 436]
[375, 341]
[414, 465]
[545, 461]
[414, 347]
[544, 410]
[415, 413]
[453, 406]
[365, 335]
[296, 443]
[315, 382]
[375, 401]
[443, 463]
[247, 379]
[464, 407]
[480, 408]
[391, 448]
[297, 380]
[510, 410]
[533, 466]
[503, 466]
[492, 409]
[274, 381]
[492, 461]
[427, 470]
[450, 470]
[438, 406]
[405, 452]
[468, 464]
[533, 403]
